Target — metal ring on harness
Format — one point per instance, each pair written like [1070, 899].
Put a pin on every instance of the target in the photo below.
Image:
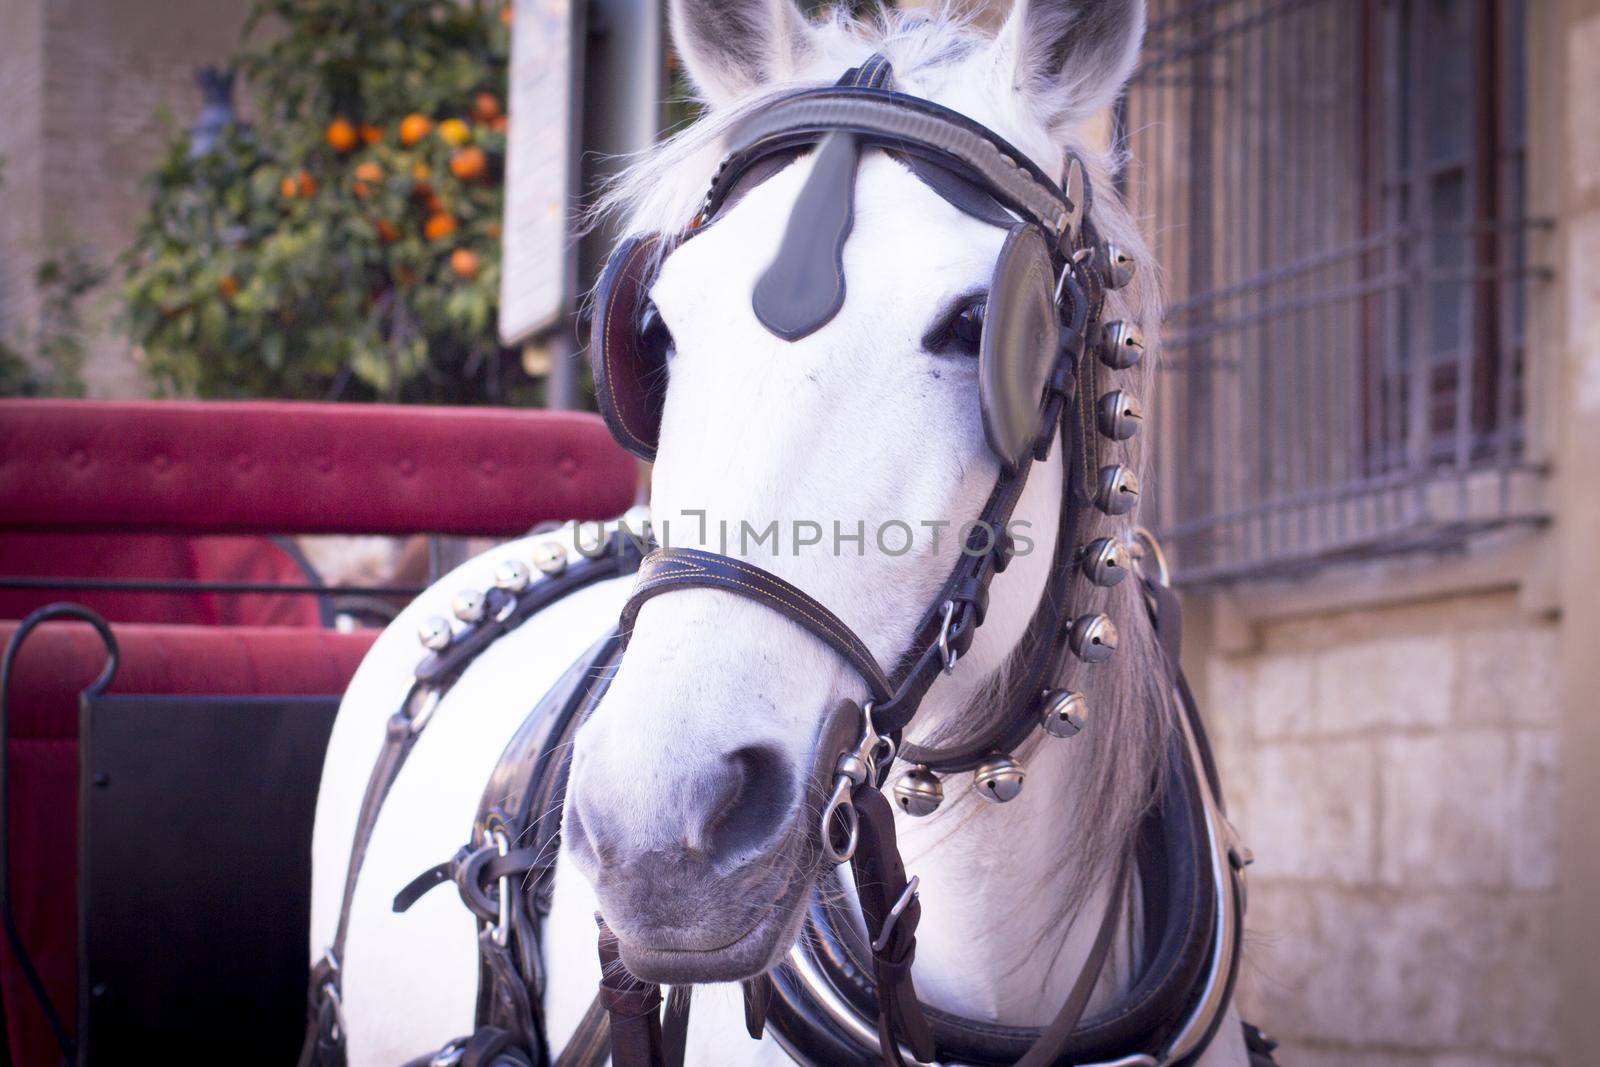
[501, 930]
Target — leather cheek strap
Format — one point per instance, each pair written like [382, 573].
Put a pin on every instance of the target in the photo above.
[667, 569]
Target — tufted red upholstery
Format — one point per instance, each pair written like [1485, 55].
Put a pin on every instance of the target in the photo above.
[55, 665]
[165, 490]
[276, 467]
[157, 557]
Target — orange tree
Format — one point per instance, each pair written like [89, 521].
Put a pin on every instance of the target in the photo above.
[347, 243]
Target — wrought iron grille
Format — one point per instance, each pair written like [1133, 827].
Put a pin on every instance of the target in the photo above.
[1336, 192]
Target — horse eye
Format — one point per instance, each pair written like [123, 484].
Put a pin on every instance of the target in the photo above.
[654, 337]
[958, 333]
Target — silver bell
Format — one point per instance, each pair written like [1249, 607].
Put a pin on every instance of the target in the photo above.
[1119, 267]
[636, 522]
[1063, 713]
[1121, 344]
[1093, 638]
[1106, 561]
[1120, 415]
[434, 633]
[468, 605]
[550, 557]
[919, 792]
[1117, 491]
[511, 575]
[999, 779]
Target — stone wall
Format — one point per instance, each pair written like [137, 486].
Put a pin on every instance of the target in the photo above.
[91, 89]
[1395, 771]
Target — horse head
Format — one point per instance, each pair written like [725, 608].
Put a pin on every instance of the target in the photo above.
[845, 456]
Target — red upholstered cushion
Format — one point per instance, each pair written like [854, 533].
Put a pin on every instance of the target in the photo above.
[274, 467]
[55, 665]
[157, 557]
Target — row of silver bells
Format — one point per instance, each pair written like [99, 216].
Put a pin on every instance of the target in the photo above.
[510, 575]
[999, 778]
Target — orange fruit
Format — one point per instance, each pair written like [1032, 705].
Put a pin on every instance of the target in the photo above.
[371, 134]
[438, 227]
[306, 184]
[386, 232]
[497, 124]
[342, 136]
[421, 172]
[454, 132]
[369, 172]
[288, 188]
[485, 107]
[362, 191]
[469, 163]
[505, 15]
[434, 205]
[465, 263]
[228, 287]
[414, 128]
[493, 230]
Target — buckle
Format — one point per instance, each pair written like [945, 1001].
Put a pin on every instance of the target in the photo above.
[947, 655]
[907, 895]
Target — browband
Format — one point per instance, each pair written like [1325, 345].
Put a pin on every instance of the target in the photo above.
[906, 125]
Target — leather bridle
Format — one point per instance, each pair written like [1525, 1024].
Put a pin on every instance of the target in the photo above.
[838, 999]
[857, 823]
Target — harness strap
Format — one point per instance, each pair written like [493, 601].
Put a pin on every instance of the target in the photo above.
[1056, 1037]
[633, 1006]
[757, 1000]
[675, 1026]
[666, 569]
[890, 906]
[590, 1043]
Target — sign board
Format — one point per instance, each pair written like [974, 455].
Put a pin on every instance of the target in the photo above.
[537, 258]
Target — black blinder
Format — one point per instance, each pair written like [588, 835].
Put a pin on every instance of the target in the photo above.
[1017, 352]
[630, 375]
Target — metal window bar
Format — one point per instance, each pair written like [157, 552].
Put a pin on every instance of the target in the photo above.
[1336, 193]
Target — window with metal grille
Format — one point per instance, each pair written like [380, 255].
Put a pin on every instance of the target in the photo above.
[1336, 194]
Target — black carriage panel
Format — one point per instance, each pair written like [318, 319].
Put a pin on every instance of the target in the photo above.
[195, 817]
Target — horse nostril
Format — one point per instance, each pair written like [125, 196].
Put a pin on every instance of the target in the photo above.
[748, 805]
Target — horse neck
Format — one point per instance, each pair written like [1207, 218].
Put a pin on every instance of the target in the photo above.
[992, 942]
[987, 946]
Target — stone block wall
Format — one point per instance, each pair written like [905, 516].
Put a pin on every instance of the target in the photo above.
[92, 89]
[1396, 772]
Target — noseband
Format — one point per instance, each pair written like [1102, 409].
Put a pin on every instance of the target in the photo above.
[1039, 381]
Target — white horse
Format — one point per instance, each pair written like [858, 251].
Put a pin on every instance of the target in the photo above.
[718, 701]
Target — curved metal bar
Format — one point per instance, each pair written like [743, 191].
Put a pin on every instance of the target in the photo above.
[49, 613]
[1214, 997]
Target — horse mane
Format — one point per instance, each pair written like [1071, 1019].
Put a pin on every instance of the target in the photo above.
[1117, 758]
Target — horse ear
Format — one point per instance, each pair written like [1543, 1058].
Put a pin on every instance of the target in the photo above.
[730, 47]
[1073, 57]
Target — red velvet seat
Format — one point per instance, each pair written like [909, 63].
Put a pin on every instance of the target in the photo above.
[158, 557]
[163, 490]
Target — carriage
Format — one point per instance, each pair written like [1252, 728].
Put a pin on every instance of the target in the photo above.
[164, 743]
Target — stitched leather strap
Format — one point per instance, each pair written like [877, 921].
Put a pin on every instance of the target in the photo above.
[667, 569]
[633, 1005]
[881, 884]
